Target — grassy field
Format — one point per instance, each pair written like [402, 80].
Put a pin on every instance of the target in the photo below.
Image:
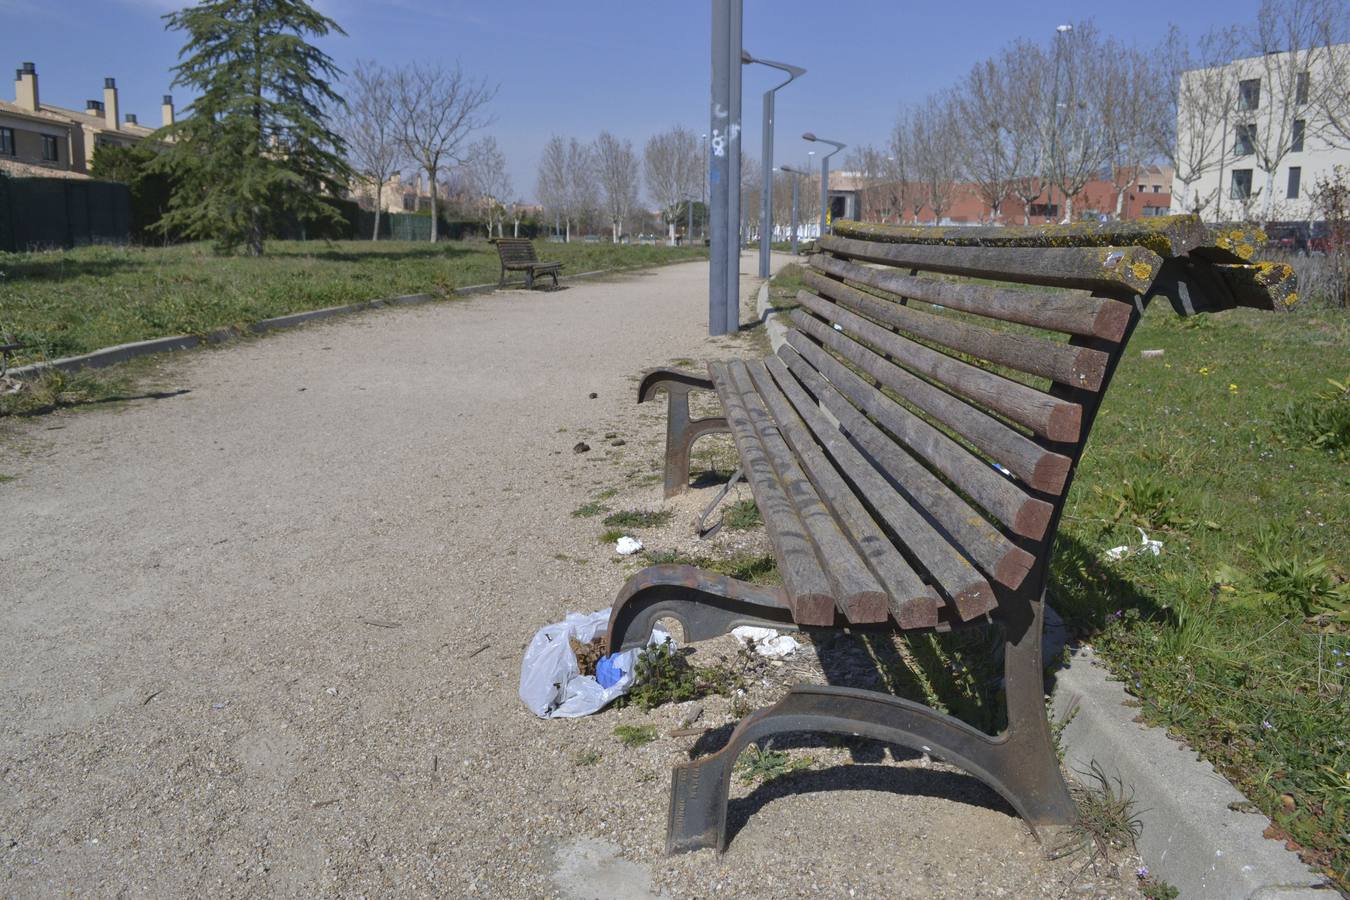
[70, 302]
[1233, 449]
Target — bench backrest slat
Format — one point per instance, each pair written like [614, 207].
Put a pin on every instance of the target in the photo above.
[516, 250]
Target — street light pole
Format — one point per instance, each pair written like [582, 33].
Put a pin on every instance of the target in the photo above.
[766, 158]
[824, 176]
[724, 168]
[796, 184]
[1060, 31]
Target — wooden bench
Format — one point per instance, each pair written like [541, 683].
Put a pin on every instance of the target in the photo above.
[517, 255]
[910, 448]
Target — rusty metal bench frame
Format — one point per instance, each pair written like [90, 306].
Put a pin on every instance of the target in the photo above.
[518, 255]
[1177, 258]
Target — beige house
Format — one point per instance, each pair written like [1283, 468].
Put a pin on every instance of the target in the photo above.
[38, 138]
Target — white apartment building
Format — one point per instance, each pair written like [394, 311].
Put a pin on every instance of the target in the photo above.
[1255, 136]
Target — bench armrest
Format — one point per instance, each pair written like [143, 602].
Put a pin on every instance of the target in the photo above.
[654, 380]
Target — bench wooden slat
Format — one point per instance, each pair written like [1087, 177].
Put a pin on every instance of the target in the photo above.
[1059, 420]
[1043, 469]
[1072, 313]
[970, 592]
[809, 591]
[1118, 271]
[1000, 558]
[910, 600]
[1080, 367]
[1025, 515]
[858, 594]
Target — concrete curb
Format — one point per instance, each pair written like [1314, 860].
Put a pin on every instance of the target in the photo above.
[776, 330]
[109, 356]
[1191, 837]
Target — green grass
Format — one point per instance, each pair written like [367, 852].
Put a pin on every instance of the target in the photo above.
[785, 285]
[757, 764]
[752, 567]
[74, 301]
[1237, 637]
[635, 735]
[639, 518]
[6, 479]
[588, 509]
[663, 675]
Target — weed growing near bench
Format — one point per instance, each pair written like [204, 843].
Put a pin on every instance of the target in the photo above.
[639, 518]
[663, 675]
[758, 765]
[635, 735]
[742, 516]
[589, 509]
[587, 758]
[1106, 818]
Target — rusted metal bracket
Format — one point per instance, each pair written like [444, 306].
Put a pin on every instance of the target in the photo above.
[681, 430]
[705, 604]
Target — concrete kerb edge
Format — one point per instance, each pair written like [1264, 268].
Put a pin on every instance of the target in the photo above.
[108, 356]
[1192, 838]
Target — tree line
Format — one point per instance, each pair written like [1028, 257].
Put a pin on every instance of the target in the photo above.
[1043, 119]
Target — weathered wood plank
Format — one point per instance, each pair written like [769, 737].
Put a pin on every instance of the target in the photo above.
[1120, 272]
[808, 430]
[1043, 469]
[860, 597]
[1024, 515]
[1074, 312]
[1000, 558]
[809, 591]
[1080, 367]
[1056, 419]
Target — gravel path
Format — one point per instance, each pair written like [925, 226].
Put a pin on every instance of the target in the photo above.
[264, 637]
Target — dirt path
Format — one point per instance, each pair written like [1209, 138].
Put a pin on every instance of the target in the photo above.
[264, 637]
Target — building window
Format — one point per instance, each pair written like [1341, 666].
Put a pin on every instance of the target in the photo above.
[1242, 184]
[7, 142]
[50, 149]
[1049, 210]
[1244, 140]
[1249, 94]
[1295, 176]
[1301, 88]
[1296, 145]
[1157, 189]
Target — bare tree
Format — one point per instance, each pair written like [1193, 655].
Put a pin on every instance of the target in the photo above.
[672, 162]
[985, 102]
[580, 182]
[551, 185]
[1077, 144]
[936, 139]
[1127, 92]
[485, 167]
[439, 109]
[900, 166]
[370, 128]
[1027, 69]
[1189, 129]
[1330, 88]
[616, 168]
[1287, 40]
[868, 165]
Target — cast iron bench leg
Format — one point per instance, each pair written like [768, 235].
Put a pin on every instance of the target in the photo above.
[681, 431]
[1020, 763]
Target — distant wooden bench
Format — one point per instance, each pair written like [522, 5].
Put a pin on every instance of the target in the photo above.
[910, 449]
[517, 255]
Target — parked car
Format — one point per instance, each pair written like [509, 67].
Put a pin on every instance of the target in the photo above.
[1289, 237]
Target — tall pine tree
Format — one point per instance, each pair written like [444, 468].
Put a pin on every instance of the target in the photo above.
[255, 152]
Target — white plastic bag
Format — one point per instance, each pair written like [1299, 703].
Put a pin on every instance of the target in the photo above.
[551, 683]
[768, 643]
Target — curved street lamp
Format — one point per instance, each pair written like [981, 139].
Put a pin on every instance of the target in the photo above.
[766, 156]
[824, 176]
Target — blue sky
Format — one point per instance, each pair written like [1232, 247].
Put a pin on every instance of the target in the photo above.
[633, 67]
